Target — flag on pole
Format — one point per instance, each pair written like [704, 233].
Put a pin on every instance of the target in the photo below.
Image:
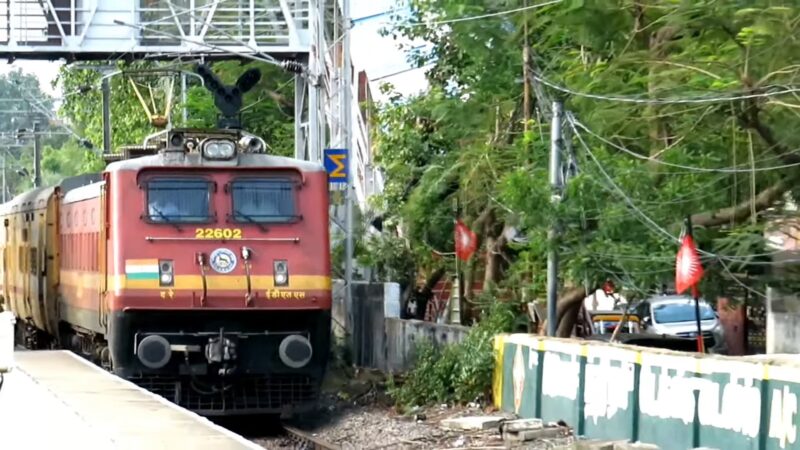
[688, 270]
[466, 241]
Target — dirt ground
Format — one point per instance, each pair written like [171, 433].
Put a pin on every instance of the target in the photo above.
[356, 413]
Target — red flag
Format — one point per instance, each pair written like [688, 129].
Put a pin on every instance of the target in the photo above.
[466, 242]
[688, 270]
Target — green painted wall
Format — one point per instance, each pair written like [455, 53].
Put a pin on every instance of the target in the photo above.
[677, 401]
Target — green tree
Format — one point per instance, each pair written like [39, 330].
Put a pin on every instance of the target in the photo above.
[475, 137]
[267, 111]
[23, 103]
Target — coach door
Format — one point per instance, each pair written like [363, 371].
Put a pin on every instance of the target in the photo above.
[50, 262]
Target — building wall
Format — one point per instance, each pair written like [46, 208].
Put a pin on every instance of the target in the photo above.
[783, 308]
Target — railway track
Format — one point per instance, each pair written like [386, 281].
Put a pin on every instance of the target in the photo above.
[306, 441]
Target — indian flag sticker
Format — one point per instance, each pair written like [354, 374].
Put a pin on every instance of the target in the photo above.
[141, 269]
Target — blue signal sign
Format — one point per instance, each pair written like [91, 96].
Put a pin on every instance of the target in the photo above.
[336, 164]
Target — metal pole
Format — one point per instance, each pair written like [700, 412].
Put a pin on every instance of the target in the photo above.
[37, 156]
[347, 141]
[183, 99]
[106, 87]
[552, 255]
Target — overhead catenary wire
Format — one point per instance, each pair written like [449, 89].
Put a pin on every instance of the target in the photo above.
[202, 44]
[222, 32]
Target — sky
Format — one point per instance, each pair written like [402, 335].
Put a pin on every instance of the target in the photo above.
[377, 55]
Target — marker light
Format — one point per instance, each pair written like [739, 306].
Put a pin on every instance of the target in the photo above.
[218, 149]
[280, 270]
[166, 276]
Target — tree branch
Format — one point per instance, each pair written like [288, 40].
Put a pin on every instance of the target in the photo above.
[751, 119]
[741, 211]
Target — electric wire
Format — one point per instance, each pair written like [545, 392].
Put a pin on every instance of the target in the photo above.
[681, 166]
[482, 16]
[646, 220]
[238, 41]
[717, 98]
[202, 44]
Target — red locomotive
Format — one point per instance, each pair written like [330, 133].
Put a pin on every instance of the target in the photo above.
[196, 265]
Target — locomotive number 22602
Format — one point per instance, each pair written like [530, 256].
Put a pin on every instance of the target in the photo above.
[218, 233]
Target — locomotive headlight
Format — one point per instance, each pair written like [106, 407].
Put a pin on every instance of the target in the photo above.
[166, 275]
[218, 149]
[280, 271]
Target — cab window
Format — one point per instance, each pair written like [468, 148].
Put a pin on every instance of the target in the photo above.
[178, 200]
[263, 200]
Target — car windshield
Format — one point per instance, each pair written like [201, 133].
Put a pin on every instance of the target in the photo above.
[680, 312]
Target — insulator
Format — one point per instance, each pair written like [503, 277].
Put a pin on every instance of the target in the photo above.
[293, 66]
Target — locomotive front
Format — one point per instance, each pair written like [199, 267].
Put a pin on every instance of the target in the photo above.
[219, 289]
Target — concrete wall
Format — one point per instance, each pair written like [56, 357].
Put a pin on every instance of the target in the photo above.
[372, 330]
[359, 325]
[674, 400]
[403, 335]
[783, 322]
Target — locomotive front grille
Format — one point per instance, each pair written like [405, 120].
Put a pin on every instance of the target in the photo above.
[242, 395]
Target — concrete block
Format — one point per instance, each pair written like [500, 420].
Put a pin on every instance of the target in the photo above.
[472, 423]
[523, 425]
[598, 444]
[635, 446]
[530, 435]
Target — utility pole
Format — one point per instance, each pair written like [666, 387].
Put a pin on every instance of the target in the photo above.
[526, 78]
[37, 156]
[183, 99]
[552, 254]
[106, 88]
[347, 141]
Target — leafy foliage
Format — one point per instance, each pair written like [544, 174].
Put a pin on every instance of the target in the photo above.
[467, 140]
[24, 103]
[267, 111]
[457, 372]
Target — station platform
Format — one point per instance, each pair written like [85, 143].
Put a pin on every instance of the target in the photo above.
[55, 399]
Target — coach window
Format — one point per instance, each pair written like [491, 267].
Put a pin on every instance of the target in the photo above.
[263, 200]
[34, 265]
[178, 200]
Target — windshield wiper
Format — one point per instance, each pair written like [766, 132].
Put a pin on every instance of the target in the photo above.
[251, 220]
[165, 217]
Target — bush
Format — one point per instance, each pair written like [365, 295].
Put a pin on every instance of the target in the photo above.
[455, 373]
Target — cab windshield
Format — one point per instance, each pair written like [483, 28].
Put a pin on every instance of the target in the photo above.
[178, 200]
[263, 200]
